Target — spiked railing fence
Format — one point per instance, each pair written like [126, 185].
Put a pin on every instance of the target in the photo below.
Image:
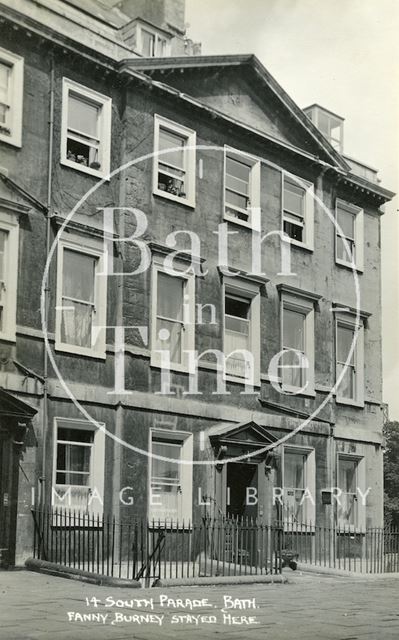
[149, 551]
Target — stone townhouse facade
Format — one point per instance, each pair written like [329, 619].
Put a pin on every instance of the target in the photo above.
[84, 91]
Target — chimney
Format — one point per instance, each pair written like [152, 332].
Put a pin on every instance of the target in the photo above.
[166, 14]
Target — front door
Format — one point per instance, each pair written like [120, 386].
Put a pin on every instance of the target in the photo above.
[241, 490]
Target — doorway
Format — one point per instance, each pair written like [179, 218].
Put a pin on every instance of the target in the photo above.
[241, 490]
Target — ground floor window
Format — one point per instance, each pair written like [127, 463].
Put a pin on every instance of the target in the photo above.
[298, 486]
[78, 473]
[170, 476]
[351, 483]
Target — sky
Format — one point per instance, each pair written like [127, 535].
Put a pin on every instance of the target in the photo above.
[344, 55]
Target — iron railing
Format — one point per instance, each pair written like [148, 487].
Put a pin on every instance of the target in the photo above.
[372, 550]
[149, 551]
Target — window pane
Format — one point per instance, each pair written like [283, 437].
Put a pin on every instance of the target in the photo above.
[294, 198]
[236, 307]
[324, 123]
[293, 330]
[347, 385]
[294, 469]
[346, 221]
[147, 43]
[4, 91]
[169, 140]
[236, 200]
[292, 368]
[76, 325]
[173, 344]
[345, 337]
[347, 475]
[166, 471]
[238, 170]
[75, 435]
[3, 241]
[83, 116]
[345, 251]
[78, 275]
[170, 292]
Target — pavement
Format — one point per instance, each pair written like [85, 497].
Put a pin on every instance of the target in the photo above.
[40, 607]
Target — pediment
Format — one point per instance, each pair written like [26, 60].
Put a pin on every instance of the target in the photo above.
[243, 90]
[248, 434]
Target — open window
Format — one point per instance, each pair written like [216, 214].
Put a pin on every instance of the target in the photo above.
[298, 211]
[349, 235]
[299, 485]
[81, 312]
[9, 234]
[78, 466]
[11, 97]
[241, 188]
[86, 129]
[170, 479]
[174, 161]
[349, 348]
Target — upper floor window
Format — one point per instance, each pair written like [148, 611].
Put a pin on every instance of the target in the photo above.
[297, 358]
[241, 336]
[170, 478]
[241, 188]
[78, 466]
[349, 360]
[298, 211]
[330, 124]
[11, 97]
[349, 235]
[86, 129]
[81, 300]
[174, 161]
[173, 328]
[9, 234]
[150, 43]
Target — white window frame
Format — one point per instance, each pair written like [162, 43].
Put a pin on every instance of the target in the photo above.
[185, 507]
[104, 125]
[14, 123]
[360, 513]
[188, 342]
[253, 211]
[308, 214]
[349, 321]
[9, 224]
[157, 37]
[358, 213]
[97, 466]
[189, 160]
[305, 307]
[243, 289]
[90, 247]
[309, 482]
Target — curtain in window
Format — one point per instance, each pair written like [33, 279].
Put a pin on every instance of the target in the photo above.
[294, 486]
[78, 298]
[347, 478]
[292, 372]
[4, 90]
[345, 337]
[165, 480]
[170, 292]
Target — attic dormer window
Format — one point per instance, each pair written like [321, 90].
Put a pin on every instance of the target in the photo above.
[151, 43]
[330, 125]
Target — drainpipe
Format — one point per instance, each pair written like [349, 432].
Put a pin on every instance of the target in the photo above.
[47, 287]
